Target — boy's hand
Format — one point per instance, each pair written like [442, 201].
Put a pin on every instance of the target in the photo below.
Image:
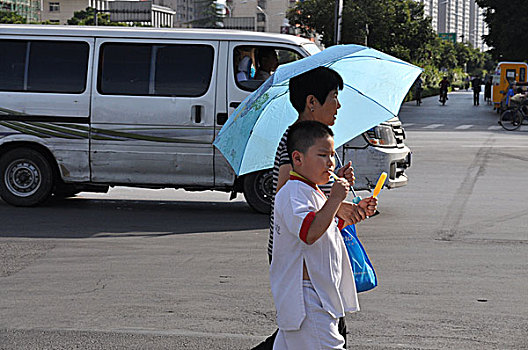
[369, 205]
[339, 189]
[348, 173]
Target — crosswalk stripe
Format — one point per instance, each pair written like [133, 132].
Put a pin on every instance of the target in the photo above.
[463, 127]
[433, 126]
[406, 125]
[495, 127]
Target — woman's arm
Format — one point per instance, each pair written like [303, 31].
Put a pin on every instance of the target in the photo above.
[284, 175]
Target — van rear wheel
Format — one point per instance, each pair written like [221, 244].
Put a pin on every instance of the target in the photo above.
[26, 177]
[258, 190]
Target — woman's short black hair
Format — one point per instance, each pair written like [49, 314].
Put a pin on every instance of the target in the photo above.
[303, 135]
[318, 82]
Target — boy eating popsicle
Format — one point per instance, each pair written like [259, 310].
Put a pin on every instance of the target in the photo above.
[311, 279]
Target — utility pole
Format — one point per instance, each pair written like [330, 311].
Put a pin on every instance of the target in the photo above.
[338, 21]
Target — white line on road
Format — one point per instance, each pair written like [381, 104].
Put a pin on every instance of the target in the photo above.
[406, 125]
[433, 126]
[463, 127]
[495, 127]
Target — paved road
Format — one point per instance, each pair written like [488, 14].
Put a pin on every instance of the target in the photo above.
[165, 269]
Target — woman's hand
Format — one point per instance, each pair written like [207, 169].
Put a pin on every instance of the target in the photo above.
[351, 213]
[369, 205]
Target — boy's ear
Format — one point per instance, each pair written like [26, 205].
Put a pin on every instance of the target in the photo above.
[297, 158]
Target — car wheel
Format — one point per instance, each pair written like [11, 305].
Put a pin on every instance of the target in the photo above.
[27, 177]
[258, 190]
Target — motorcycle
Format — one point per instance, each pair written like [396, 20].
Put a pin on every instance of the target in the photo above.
[443, 97]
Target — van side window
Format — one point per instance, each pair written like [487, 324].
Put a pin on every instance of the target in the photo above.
[43, 66]
[155, 70]
[252, 65]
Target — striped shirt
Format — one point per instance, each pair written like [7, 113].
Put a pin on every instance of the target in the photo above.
[281, 158]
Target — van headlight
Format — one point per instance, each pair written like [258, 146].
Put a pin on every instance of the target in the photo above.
[381, 136]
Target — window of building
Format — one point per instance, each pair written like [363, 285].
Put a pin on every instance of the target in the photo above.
[261, 17]
[54, 6]
[43, 66]
[158, 70]
[262, 4]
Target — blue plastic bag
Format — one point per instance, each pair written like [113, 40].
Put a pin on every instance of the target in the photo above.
[364, 273]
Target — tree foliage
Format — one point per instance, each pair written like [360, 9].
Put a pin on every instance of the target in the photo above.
[87, 18]
[11, 17]
[396, 27]
[508, 28]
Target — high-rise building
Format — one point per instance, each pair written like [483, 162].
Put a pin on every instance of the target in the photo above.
[459, 19]
[431, 10]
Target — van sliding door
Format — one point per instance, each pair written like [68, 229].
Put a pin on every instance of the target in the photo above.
[153, 112]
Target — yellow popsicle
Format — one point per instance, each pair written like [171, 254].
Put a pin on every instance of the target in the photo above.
[380, 183]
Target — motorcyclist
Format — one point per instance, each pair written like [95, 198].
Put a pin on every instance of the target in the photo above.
[444, 84]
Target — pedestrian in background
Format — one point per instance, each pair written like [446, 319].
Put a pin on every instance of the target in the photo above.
[476, 84]
[487, 90]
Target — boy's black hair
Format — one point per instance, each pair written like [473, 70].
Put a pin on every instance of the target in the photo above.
[302, 135]
[318, 82]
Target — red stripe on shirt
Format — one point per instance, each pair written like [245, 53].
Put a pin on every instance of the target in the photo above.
[340, 223]
[307, 222]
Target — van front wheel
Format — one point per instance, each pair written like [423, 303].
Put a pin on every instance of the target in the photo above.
[27, 177]
[258, 190]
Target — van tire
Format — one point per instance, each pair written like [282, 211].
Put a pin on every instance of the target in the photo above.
[26, 177]
[258, 190]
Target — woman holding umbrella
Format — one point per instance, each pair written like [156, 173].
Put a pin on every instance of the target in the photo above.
[314, 95]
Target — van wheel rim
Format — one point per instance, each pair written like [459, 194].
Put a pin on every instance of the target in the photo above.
[22, 178]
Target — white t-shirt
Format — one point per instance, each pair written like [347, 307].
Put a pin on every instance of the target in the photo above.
[326, 260]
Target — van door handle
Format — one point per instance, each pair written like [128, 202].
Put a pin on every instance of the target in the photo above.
[234, 104]
[196, 114]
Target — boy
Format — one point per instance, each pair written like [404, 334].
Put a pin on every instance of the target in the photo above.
[311, 278]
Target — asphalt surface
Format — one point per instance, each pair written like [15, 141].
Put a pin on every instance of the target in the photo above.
[166, 269]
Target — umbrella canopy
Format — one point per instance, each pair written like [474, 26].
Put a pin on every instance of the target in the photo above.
[374, 87]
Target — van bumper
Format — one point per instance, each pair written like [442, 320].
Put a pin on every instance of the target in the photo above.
[369, 163]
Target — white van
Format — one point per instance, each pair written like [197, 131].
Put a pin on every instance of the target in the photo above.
[84, 108]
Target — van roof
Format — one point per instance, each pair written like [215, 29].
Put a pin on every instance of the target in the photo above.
[146, 32]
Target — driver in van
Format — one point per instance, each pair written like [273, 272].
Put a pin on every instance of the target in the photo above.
[268, 63]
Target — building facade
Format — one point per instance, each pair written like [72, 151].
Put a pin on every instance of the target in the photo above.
[461, 19]
[268, 15]
[29, 9]
[60, 11]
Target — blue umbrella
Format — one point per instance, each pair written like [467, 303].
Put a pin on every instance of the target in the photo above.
[374, 87]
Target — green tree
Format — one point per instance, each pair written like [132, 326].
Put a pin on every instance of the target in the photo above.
[508, 28]
[11, 17]
[87, 18]
[397, 27]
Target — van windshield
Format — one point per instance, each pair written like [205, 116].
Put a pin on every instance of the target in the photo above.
[311, 48]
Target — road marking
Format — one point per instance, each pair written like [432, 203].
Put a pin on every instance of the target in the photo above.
[495, 127]
[433, 126]
[406, 125]
[463, 127]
